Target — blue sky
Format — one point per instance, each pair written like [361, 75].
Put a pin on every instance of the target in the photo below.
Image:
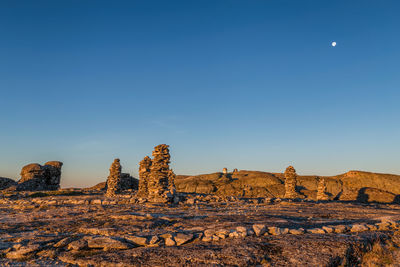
[238, 84]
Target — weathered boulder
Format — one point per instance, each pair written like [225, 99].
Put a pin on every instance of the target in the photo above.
[35, 177]
[170, 241]
[6, 183]
[259, 229]
[31, 171]
[53, 173]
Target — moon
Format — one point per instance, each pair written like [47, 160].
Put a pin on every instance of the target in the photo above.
[333, 44]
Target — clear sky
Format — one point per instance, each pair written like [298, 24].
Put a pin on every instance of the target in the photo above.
[238, 84]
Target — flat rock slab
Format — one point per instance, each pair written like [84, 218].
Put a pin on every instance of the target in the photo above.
[181, 238]
[107, 243]
[137, 240]
[22, 252]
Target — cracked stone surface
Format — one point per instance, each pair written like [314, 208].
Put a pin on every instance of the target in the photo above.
[89, 229]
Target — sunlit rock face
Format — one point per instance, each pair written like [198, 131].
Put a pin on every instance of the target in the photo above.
[35, 177]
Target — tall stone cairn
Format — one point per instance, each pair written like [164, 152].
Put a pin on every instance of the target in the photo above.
[144, 174]
[158, 184]
[171, 182]
[114, 179]
[321, 190]
[290, 182]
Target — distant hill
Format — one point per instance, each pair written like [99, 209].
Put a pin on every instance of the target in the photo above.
[353, 185]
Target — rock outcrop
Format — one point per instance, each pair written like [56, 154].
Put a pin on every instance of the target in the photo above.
[144, 174]
[290, 182]
[158, 182]
[321, 190]
[35, 177]
[128, 182]
[114, 179]
[6, 183]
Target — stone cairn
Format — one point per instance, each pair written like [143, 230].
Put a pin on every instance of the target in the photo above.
[144, 174]
[224, 170]
[290, 182]
[114, 179]
[321, 190]
[158, 182]
[171, 182]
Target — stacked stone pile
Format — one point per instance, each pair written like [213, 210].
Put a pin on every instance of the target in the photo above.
[171, 182]
[144, 174]
[321, 190]
[290, 182]
[158, 184]
[114, 179]
[35, 177]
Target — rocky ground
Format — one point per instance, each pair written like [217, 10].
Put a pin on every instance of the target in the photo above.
[88, 229]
